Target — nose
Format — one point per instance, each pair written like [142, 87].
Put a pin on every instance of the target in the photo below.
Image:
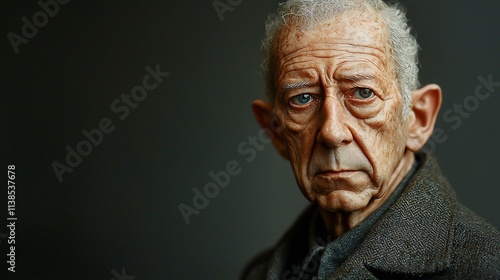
[334, 131]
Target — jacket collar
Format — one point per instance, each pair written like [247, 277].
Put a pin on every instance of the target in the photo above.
[415, 236]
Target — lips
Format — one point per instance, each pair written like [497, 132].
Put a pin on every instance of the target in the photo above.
[328, 181]
[335, 175]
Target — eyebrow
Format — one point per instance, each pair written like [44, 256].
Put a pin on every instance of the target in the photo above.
[296, 85]
[354, 77]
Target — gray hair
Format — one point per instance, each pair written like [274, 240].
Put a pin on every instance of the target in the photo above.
[309, 13]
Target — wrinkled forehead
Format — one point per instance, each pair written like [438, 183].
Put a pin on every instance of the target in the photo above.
[364, 28]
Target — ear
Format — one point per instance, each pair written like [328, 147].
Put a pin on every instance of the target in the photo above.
[263, 112]
[425, 107]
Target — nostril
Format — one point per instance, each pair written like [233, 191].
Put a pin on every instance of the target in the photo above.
[334, 136]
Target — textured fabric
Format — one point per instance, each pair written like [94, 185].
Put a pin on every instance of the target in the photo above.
[425, 234]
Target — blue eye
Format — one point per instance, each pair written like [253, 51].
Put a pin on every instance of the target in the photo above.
[363, 93]
[301, 99]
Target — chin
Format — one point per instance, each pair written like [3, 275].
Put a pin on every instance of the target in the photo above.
[343, 201]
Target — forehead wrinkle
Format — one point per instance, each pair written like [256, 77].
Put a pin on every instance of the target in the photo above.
[299, 57]
[306, 72]
[332, 69]
[378, 53]
[291, 66]
[353, 74]
[357, 48]
[284, 55]
[339, 45]
[379, 67]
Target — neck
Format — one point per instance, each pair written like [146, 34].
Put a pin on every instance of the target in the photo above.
[340, 222]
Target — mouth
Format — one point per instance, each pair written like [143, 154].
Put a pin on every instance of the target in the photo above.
[335, 175]
[334, 180]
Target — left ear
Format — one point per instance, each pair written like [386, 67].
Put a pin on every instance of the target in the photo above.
[426, 102]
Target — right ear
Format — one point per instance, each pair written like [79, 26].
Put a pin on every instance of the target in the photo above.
[425, 107]
[263, 112]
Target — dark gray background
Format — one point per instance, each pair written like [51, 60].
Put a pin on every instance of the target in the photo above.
[119, 207]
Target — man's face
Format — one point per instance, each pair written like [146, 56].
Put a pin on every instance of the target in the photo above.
[341, 110]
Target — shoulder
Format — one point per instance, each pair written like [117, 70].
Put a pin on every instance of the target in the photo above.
[469, 246]
[476, 246]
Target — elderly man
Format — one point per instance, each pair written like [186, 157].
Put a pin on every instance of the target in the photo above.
[347, 111]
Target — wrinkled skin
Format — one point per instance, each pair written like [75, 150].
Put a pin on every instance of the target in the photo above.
[340, 109]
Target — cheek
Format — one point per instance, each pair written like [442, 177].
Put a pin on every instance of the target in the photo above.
[376, 125]
[382, 140]
[299, 147]
[300, 140]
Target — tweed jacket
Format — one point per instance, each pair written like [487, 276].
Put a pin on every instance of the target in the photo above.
[425, 234]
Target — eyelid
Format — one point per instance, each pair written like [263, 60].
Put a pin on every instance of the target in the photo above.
[362, 89]
[314, 98]
[292, 97]
[351, 91]
[287, 94]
